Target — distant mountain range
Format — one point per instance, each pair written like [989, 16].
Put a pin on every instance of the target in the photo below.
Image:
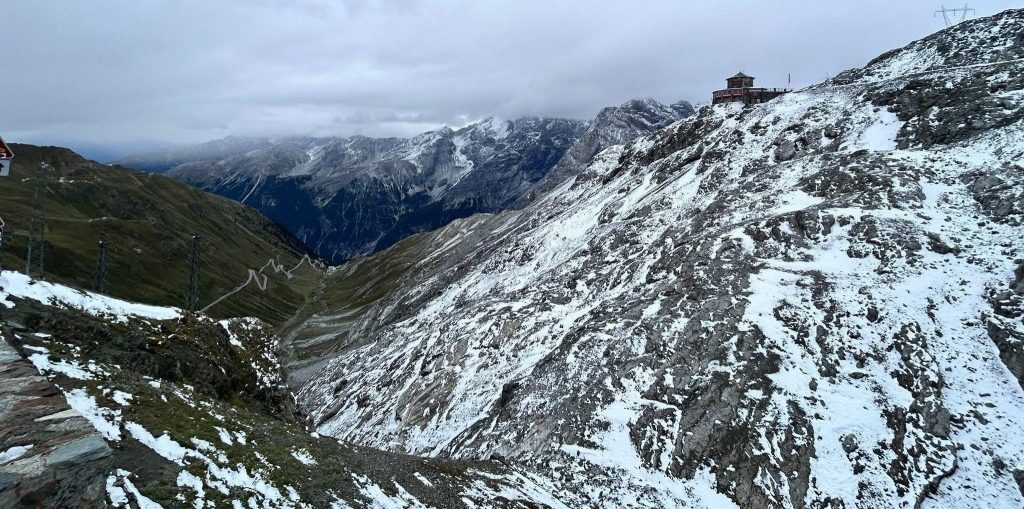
[345, 197]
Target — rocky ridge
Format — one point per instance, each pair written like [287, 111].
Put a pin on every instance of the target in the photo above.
[614, 125]
[350, 196]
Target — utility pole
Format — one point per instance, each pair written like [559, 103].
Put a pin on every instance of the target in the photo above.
[192, 303]
[950, 16]
[101, 268]
[37, 227]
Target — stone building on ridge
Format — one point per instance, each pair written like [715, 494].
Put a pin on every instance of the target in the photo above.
[740, 88]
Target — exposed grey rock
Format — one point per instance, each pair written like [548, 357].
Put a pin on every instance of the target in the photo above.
[88, 448]
[66, 465]
[1001, 192]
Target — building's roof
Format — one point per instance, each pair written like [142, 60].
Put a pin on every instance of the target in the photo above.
[741, 75]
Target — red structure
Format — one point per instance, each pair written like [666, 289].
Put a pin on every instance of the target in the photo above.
[741, 90]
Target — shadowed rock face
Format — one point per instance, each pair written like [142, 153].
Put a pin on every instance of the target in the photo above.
[812, 302]
[50, 456]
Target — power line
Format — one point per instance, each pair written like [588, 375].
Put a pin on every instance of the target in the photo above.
[37, 227]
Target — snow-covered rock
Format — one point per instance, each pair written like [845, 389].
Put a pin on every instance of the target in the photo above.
[810, 302]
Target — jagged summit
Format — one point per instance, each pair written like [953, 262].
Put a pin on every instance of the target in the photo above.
[812, 302]
[613, 125]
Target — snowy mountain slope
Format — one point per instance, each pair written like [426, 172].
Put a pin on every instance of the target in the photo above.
[811, 302]
[348, 291]
[185, 411]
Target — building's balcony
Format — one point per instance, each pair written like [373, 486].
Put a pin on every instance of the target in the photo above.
[740, 92]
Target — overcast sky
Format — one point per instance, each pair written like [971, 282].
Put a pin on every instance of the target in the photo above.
[108, 77]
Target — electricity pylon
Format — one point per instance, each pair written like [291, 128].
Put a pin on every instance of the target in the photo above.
[192, 302]
[101, 269]
[949, 16]
[37, 227]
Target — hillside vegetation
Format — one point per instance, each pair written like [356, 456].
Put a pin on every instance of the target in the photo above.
[149, 221]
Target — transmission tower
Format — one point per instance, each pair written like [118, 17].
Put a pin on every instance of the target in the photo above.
[101, 268]
[37, 227]
[192, 303]
[953, 16]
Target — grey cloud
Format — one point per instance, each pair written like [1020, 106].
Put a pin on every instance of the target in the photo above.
[119, 74]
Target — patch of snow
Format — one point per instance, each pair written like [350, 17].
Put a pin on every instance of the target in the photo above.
[232, 337]
[304, 457]
[379, 499]
[105, 421]
[122, 398]
[15, 284]
[188, 480]
[68, 368]
[423, 480]
[14, 453]
[116, 494]
[224, 435]
[119, 496]
[164, 445]
[881, 134]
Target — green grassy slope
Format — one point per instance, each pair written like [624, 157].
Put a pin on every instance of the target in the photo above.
[323, 325]
[149, 219]
[329, 322]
